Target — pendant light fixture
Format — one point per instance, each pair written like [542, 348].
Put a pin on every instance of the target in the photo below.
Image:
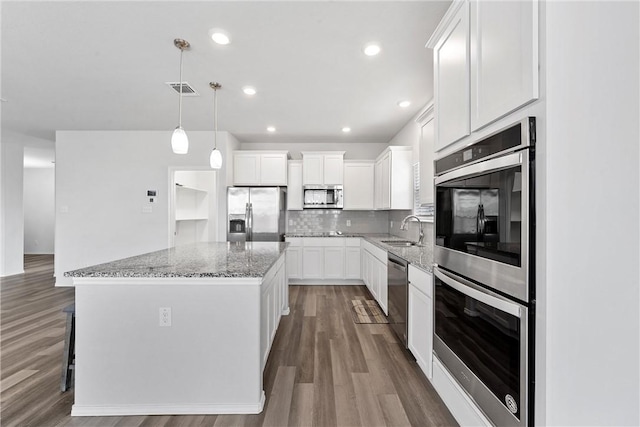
[179, 139]
[215, 159]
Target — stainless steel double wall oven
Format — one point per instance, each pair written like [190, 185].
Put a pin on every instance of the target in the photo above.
[484, 273]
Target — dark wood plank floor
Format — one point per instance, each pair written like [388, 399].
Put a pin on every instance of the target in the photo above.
[323, 370]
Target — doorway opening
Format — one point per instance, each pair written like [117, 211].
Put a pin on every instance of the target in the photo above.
[193, 206]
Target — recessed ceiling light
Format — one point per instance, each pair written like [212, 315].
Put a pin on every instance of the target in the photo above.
[346, 129]
[249, 90]
[220, 36]
[371, 49]
[271, 129]
[404, 104]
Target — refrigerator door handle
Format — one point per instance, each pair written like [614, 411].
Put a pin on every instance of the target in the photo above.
[249, 222]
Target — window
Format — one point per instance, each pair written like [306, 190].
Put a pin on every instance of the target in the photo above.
[425, 210]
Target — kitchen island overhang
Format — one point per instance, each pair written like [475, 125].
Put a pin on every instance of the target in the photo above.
[225, 301]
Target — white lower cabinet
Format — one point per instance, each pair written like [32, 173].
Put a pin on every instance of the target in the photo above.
[313, 262]
[374, 273]
[352, 268]
[420, 318]
[294, 261]
[274, 303]
[334, 263]
[318, 259]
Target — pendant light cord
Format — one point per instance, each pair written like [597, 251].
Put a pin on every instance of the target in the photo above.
[215, 118]
[180, 102]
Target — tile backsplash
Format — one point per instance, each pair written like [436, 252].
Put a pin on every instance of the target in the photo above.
[323, 220]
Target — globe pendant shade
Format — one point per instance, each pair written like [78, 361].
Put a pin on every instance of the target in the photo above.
[215, 160]
[179, 141]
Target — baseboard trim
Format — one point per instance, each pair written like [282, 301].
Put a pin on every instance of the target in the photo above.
[197, 409]
[319, 282]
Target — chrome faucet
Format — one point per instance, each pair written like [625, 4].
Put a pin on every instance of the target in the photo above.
[403, 226]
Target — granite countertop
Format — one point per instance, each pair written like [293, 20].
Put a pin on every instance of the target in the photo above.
[419, 256]
[211, 259]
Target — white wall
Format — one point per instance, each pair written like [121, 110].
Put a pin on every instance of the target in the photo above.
[409, 136]
[592, 212]
[354, 151]
[101, 183]
[11, 211]
[39, 210]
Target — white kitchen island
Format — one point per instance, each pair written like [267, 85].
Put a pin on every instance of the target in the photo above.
[206, 357]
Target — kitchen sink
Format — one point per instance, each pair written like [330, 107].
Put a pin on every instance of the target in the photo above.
[399, 243]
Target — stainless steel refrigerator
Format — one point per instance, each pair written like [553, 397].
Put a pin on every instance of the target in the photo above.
[256, 214]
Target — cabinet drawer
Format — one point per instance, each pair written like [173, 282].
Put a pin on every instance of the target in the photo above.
[294, 241]
[422, 280]
[352, 241]
[323, 241]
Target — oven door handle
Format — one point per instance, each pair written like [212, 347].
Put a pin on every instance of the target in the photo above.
[490, 300]
[498, 163]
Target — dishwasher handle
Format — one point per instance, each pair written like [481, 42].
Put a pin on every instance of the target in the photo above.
[395, 264]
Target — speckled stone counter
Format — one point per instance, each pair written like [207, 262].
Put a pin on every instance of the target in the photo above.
[185, 330]
[419, 256]
[211, 259]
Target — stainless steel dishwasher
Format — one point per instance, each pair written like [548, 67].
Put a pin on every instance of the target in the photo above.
[398, 285]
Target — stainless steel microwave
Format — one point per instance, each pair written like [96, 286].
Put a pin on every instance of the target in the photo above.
[323, 197]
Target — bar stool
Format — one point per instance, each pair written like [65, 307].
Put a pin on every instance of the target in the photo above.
[68, 357]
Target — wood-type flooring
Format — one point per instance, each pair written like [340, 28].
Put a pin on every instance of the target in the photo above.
[323, 370]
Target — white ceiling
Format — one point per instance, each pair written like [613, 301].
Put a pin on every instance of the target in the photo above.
[87, 65]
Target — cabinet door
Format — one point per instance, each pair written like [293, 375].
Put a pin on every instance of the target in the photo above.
[312, 262]
[386, 182]
[420, 337]
[273, 169]
[246, 169]
[352, 263]
[375, 277]
[378, 185]
[504, 58]
[364, 266]
[426, 161]
[383, 288]
[334, 263]
[358, 186]
[294, 262]
[294, 186]
[451, 80]
[333, 168]
[313, 169]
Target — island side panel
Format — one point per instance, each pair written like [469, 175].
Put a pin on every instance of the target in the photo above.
[207, 361]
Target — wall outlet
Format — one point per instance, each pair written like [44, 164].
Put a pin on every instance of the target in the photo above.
[164, 316]
[290, 222]
[348, 223]
[390, 224]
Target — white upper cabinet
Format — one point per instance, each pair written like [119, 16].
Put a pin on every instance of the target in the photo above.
[358, 185]
[294, 186]
[451, 75]
[394, 179]
[427, 137]
[485, 57]
[504, 58]
[322, 167]
[261, 168]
